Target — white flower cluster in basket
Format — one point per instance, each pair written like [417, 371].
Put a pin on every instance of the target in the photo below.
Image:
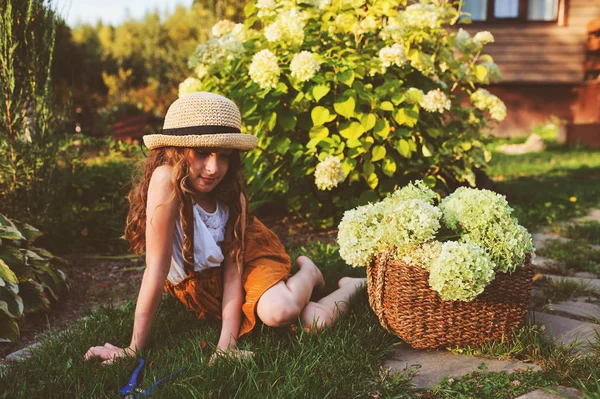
[479, 237]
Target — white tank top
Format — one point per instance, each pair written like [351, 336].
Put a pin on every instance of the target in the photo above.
[209, 233]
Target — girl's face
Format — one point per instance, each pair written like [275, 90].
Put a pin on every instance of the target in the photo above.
[208, 167]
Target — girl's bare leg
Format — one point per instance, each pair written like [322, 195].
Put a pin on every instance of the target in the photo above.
[327, 310]
[281, 304]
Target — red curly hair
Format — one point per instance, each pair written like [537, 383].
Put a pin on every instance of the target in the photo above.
[231, 191]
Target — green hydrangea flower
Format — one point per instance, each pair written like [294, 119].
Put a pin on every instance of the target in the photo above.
[461, 272]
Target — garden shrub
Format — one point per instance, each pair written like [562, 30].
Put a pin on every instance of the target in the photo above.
[352, 98]
[30, 279]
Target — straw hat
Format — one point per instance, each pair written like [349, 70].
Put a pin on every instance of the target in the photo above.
[202, 120]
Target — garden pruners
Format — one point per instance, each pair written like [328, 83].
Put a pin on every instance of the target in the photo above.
[130, 391]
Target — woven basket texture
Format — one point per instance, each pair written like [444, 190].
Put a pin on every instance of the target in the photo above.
[406, 305]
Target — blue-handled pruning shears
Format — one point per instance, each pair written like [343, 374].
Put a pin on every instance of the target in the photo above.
[130, 391]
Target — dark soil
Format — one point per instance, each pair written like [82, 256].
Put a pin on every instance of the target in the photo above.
[97, 280]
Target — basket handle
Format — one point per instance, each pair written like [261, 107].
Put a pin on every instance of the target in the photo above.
[380, 287]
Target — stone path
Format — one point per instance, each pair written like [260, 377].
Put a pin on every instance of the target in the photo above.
[575, 320]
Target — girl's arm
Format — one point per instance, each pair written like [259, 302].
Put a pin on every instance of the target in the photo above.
[233, 298]
[161, 213]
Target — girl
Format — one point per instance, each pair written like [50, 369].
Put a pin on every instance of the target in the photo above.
[189, 212]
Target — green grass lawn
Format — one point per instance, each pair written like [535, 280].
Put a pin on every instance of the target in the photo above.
[343, 361]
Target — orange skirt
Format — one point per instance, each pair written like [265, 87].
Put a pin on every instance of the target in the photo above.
[265, 264]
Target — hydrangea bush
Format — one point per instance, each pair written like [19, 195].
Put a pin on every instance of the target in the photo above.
[387, 88]
[462, 242]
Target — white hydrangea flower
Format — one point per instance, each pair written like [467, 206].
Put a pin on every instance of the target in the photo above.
[416, 190]
[201, 71]
[264, 69]
[266, 8]
[435, 101]
[484, 100]
[463, 40]
[329, 173]
[273, 32]
[231, 47]
[368, 25]
[422, 255]
[190, 85]
[304, 66]
[222, 27]
[288, 28]
[408, 223]
[464, 209]
[239, 31]
[420, 16]
[393, 55]
[359, 235]
[483, 37]
[394, 30]
[461, 272]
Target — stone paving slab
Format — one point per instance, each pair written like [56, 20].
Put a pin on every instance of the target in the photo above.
[579, 308]
[593, 215]
[21, 353]
[435, 365]
[563, 392]
[565, 330]
[591, 282]
[539, 239]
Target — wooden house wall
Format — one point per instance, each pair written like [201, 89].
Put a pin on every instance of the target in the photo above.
[542, 52]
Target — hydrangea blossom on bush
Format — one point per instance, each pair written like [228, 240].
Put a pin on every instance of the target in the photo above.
[377, 84]
[485, 238]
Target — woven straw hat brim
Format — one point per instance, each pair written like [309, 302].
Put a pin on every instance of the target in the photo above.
[237, 141]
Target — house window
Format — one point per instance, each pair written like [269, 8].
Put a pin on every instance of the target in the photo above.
[517, 10]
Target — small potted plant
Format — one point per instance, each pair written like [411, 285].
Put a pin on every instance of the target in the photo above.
[453, 274]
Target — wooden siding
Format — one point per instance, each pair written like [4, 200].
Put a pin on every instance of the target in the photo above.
[543, 52]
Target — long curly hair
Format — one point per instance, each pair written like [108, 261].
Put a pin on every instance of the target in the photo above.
[231, 191]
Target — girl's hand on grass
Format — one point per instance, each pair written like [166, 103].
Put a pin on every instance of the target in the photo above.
[108, 353]
[231, 353]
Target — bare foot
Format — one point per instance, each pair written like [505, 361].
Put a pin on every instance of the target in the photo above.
[358, 283]
[305, 263]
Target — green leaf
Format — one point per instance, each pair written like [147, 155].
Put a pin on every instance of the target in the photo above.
[320, 91]
[407, 116]
[481, 73]
[319, 115]
[353, 143]
[382, 129]
[271, 121]
[403, 148]
[387, 106]
[388, 167]
[10, 233]
[281, 145]
[429, 180]
[346, 77]
[368, 168]
[28, 231]
[6, 274]
[318, 132]
[352, 131]
[368, 121]
[287, 120]
[33, 296]
[248, 108]
[11, 304]
[377, 153]
[9, 329]
[345, 106]
[348, 165]
[373, 180]
[426, 151]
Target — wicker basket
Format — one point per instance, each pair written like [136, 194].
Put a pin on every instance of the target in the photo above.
[405, 304]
